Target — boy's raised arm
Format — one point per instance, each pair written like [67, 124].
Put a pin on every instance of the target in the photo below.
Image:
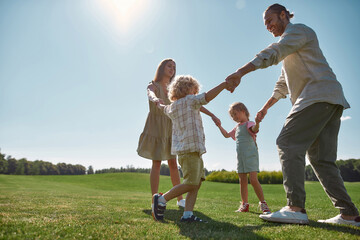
[211, 94]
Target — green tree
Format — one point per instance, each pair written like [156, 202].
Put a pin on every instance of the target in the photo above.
[309, 174]
[3, 164]
[90, 170]
[35, 168]
[20, 167]
[12, 163]
[164, 170]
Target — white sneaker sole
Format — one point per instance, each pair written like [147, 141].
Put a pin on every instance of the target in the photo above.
[284, 220]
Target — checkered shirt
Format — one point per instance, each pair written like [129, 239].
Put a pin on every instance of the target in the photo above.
[187, 128]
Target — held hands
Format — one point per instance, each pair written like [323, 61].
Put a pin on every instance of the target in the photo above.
[159, 101]
[235, 78]
[260, 115]
[160, 104]
[216, 120]
[233, 81]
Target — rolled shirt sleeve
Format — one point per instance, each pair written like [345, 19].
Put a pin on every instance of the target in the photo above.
[290, 42]
[281, 88]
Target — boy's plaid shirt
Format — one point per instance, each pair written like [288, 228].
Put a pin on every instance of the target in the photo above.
[187, 128]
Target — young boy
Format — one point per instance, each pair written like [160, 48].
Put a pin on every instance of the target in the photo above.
[188, 142]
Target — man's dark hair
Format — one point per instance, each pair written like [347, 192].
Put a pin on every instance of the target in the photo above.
[277, 8]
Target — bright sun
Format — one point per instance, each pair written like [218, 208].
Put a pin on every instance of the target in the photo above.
[123, 14]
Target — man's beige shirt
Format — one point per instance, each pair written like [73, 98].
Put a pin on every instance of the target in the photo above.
[305, 75]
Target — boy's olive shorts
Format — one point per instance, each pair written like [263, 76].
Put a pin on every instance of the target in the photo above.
[192, 167]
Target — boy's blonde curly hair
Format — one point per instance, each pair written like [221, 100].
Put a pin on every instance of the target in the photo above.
[182, 86]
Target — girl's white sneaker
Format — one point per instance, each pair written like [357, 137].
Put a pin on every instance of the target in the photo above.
[181, 203]
[339, 220]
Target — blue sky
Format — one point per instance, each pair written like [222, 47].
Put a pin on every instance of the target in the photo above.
[73, 74]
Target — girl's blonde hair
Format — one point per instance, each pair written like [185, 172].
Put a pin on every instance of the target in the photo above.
[160, 70]
[183, 86]
[238, 106]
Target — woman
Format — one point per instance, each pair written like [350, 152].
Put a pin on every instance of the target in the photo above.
[155, 140]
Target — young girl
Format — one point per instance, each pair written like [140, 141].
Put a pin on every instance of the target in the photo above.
[247, 154]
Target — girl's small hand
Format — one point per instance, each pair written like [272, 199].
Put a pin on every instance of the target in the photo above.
[216, 120]
[260, 115]
[159, 101]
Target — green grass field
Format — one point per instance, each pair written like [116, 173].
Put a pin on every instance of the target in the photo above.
[117, 206]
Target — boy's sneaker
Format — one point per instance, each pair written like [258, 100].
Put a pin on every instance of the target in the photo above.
[181, 203]
[264, 207]
[158, 208]
[339, 220]
[285, 215]
[244, 207]
[192, 219]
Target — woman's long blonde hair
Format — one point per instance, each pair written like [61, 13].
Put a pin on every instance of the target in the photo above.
[160, 70]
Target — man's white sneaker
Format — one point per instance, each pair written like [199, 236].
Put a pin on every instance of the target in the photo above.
[285, 215]
[339, 220]
[181, 203]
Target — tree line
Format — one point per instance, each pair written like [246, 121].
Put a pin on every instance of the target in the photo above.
[349, 170]
[164, 170]
[10, 165]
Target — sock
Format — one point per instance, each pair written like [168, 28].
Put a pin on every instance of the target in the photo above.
[161, 199]
[187, 214]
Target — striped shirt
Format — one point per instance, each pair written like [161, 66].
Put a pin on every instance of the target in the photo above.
[187, 128]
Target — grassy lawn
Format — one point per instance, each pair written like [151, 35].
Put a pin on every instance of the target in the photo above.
[116, 206]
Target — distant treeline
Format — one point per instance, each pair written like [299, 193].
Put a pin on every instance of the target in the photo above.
[128, 168]
[10, 165]
[264, 177]
[349, 170]
[164, 170]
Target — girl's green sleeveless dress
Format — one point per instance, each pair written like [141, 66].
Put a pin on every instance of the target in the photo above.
[247, 151]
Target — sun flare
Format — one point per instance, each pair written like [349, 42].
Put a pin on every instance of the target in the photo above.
[122, 15]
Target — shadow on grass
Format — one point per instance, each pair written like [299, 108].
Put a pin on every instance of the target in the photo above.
[219, 230]
[213, 229]
[338, 228]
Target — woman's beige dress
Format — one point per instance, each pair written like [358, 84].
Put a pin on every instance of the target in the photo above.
[155, 140]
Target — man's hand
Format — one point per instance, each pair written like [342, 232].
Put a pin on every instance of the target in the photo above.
[233, 81]
[260, 115]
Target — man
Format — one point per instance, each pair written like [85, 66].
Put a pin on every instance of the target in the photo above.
[313, 123]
